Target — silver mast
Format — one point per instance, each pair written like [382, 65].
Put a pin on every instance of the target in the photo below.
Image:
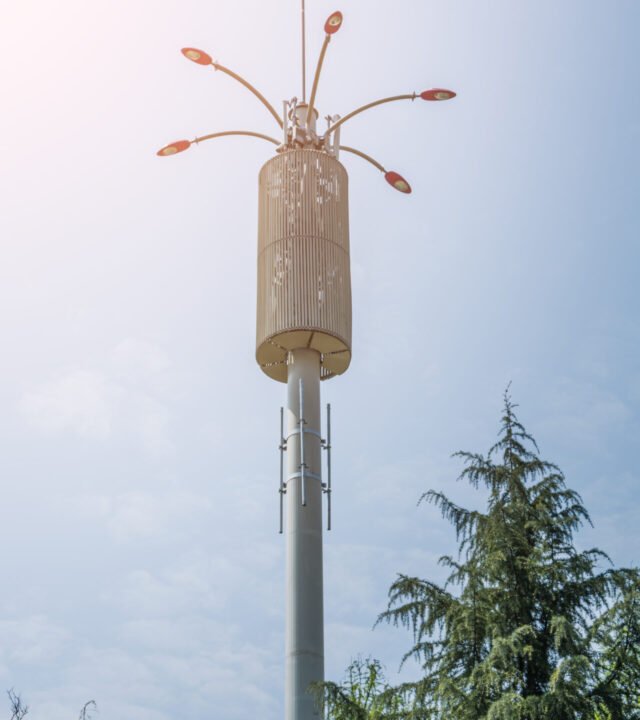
[304, 624]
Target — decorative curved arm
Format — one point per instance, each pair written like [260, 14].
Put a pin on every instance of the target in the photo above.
[394, 179]
[202, 138]
[200, 57]
[331, 26]
[181, 145]
[413, 96]
[316, 77]
[250, 87]
[368, 158]
[433, 95]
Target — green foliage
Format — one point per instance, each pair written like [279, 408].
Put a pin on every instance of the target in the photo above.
[526, 627]
[364, 695]
[616, 634]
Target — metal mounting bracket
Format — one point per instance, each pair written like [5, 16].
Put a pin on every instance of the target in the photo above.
[304, 472]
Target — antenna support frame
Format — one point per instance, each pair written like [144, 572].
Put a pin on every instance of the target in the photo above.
[304, 473]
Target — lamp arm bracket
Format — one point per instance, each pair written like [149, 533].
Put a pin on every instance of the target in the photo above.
[226, 133]
[361, 109]
[316, 78]
[249, 87]
[364, 156]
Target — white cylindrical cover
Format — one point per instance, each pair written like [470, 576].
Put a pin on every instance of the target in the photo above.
[304, 278]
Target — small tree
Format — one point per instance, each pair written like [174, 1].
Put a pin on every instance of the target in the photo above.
[87, 710]
[18, 709]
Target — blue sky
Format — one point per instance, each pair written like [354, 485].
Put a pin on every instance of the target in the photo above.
[138, 537]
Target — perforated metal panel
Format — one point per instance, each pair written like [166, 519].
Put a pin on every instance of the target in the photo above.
[304, 280]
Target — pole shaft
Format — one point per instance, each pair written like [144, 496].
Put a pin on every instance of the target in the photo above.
[304, 623]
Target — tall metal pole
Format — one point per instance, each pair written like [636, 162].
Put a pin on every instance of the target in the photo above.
[304, 617]
[304, 303]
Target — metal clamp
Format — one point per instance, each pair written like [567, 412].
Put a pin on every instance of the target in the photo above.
[306, 431]
[307, 474]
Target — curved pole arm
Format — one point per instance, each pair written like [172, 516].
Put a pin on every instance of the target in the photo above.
[250, 87]
[235, 132]
[413, 96]
[394, 179]
[364, 156]
[316, 78]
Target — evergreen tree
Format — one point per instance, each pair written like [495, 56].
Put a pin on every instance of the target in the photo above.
[526, 627]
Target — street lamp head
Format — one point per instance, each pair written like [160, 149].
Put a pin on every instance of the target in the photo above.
[174, 148]
[437, 94]
[197, 56]
[334, 23]
[397, 182]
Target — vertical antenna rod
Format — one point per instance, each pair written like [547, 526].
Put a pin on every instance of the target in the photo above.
[328, 447]
[282, 489]
[302, 421]
[304, 59]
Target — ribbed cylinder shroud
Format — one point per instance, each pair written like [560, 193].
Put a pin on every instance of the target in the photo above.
[304, 279]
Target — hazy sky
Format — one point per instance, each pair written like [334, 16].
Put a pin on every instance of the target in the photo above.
[138, 524]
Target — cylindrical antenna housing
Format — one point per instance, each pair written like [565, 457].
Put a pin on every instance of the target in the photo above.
[304, 278]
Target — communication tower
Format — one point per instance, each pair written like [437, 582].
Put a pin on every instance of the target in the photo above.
[303, 330]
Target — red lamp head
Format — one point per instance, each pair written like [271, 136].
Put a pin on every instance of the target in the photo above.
[334, 23]
[437, 94]
[197, 56]
[398, 182]
[174, 148]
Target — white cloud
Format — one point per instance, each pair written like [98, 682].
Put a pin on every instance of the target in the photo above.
[104, 403]
[137, 515]
[82, 402]
[583, 413]
[139, 360]
[172, 681]
[148, 420]
[34, 640]
[171, 593]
